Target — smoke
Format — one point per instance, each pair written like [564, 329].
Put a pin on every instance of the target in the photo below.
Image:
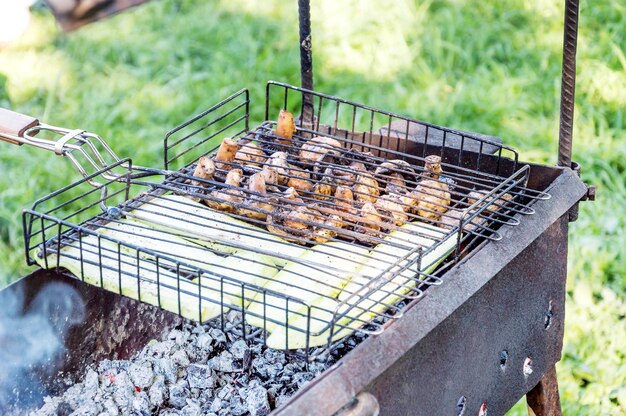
[32, 341]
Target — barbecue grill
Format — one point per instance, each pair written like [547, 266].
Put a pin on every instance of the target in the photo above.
[470, 297]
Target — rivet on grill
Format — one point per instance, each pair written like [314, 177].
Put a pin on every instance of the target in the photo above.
[504, 356]
[547, 317]
[460, 406]
[114, 212]
[528, 367]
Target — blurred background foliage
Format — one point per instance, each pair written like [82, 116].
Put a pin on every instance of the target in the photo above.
[491, 67]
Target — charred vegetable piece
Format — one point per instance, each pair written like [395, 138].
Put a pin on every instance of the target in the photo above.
[433, 198]
[392, 209]
[299, 179]
[322, 190]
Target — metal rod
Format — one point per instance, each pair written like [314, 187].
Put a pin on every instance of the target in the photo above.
[306, 58]
[568, 83]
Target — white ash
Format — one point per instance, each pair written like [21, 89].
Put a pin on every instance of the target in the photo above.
[195, 370]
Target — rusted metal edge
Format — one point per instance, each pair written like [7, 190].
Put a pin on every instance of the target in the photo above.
[338, 386]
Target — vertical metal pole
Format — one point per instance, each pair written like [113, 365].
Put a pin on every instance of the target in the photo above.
[568, 83]
[306, 58]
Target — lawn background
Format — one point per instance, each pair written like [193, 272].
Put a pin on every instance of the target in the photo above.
[491, 67]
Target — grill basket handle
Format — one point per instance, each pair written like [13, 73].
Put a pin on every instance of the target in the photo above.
[13, 126]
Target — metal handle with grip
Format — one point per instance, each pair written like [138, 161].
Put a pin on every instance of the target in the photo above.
[14, 125]
[19, 129]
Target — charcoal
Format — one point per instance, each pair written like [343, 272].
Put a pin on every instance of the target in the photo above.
[141, 404]
[237, 406]
[180, 358]
[301, 379]
[178, 394]
[196, 370]
[238, 349]
[218, 336]
[110, 407]
[169, 412]
[64, 409]
[216, 405]
[160, 349]
[203, 342]
[166, 368]
[192, 409]
[224, 362]
[200, 376]
[87, 408]
[123, 391]
[257, 401]
[225, 393]
[91, 383]
[157, 392]
[141, 374]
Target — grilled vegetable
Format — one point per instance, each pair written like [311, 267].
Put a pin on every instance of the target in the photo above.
[227, 199]
[226, 154]
[137, 274]
[320, 272]
[315, 150]
[205, 169]
[250, 154]
[358, 302]
[366, 188]
[258, 205]
[96, 261]
[285, 127]
[212, 229]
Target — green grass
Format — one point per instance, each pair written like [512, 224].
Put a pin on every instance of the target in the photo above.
[492, 67]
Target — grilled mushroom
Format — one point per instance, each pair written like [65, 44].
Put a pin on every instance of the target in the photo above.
[278, 163]
[318, 148]
[293, 222]
[366, 188]
[394, 174]
[433, 198]
[344, 198]
[432, 164]
[256, 205]
[226, 154]
[392, 210]
[250, 154]
[339, 176]
[205, 169]
[329, 229]
[322, 190]
[369, 222]
[285, 127]
[299, 179]
[224, 199]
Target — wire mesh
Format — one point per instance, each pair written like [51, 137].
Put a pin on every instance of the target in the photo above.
[273, 255]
